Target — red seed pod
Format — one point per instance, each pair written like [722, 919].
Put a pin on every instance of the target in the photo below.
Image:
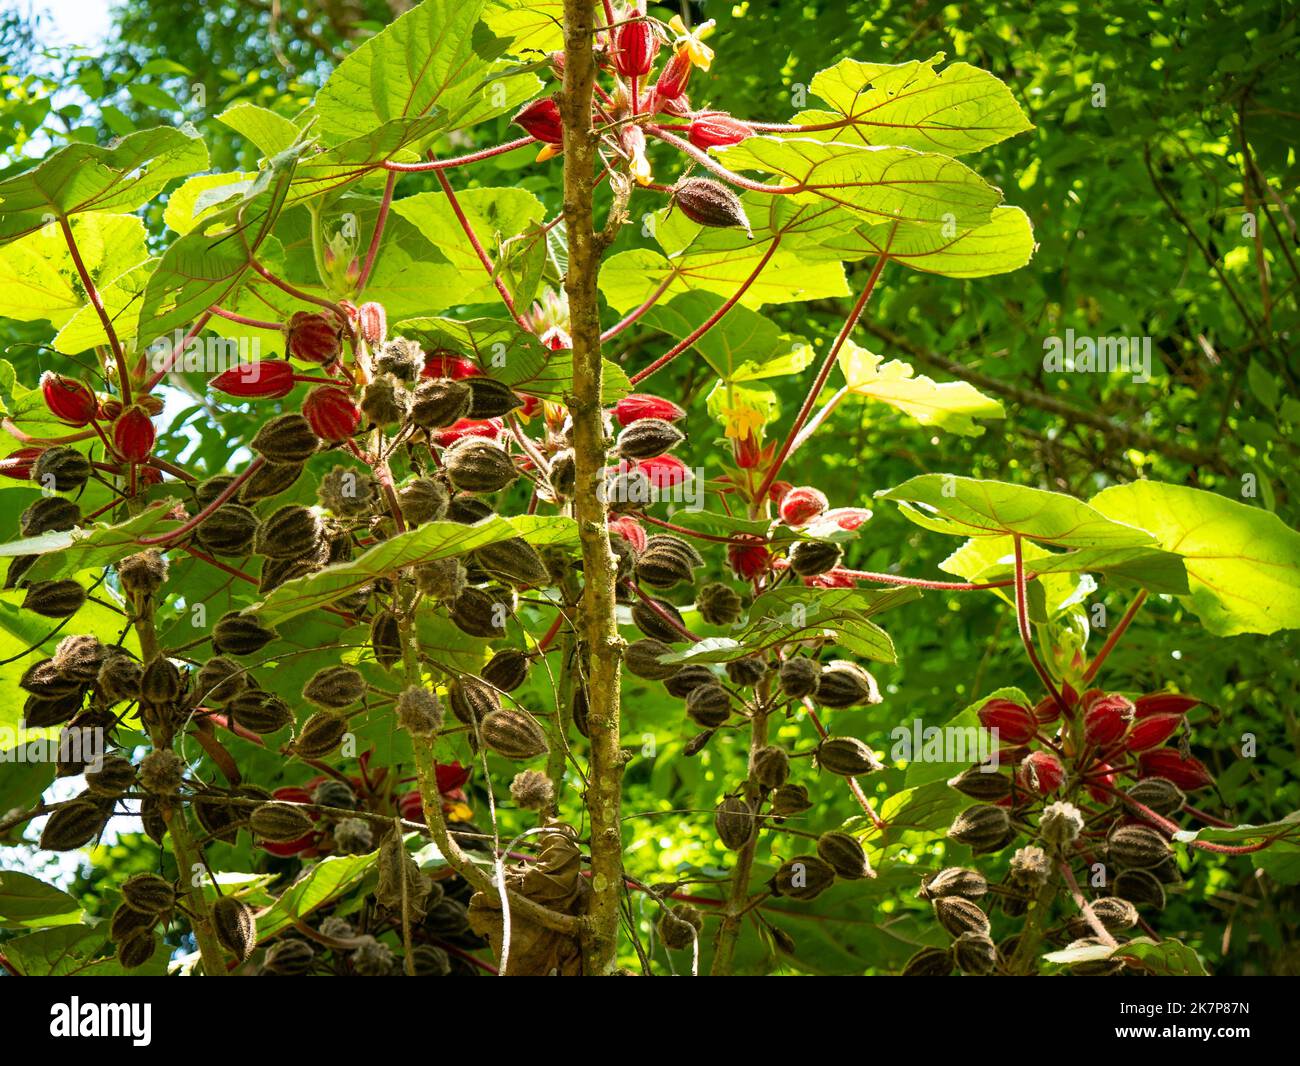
[642, 405]
[678, 106]
[1153, 731]
[445, 364]
[1107, 719]
[847, 518]
[332, 414]
[68, 399]
[630, 530]
[749, 561]
[1041, 772]
[1015, 724]
[264, 379]
[801, 505]
[635, 45]
[1187, 773]
[372, 323]
[665, 471]
[18, 465]
[675, 75]
[1163, 703]
[541, 119]
[716, 129]
[487, 428]
[133, 434]
[1047, 710]
[314, 337]
[1101, 778]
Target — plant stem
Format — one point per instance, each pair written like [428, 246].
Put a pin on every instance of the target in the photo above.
[92, 294]
[1026, 637]
[1113, 639]
[599, 630]
[380, 221]
[458, 161]
[472, 237]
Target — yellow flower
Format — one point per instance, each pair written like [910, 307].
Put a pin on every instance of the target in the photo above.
[692, 41]
[743, 420]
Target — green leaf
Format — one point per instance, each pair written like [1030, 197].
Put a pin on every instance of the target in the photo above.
[743, 346]
[1280, 860]
[93, 548]
[360, 158]
[957, 110]
[270, 132]
[122, 298]
[84, 177]
[428, 543]
[973, 507]
[317, 887]
[201, 197]
[952, 405]
[529, 25]
[1243, 563]
[28, 901]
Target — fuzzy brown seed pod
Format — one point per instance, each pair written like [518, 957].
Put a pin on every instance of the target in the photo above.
[43, 679]
[481, 612]
[697, 743]
[734, 822]
[373, 959]
[719, 604]
[471, 699]
[206, 493]
[219, 681]
[439, 403]
[1060, 824]
[385, 402]
[423, 500]
[1030, 867]
[286, 439]
[334, 793]
[959, 915]
[114, 776]
[347, 492]
[443, 579]
[386, 638]
[688, 679]
[845, 684]
[532, 790]
[119, 679]
[353, 836]
[269, 480]
[709, 705]
[513, 561]
[161, 772]
[1139, 887]
[798, 677]
[804, 877]
[667, 561]
[229, 530]
[648, 438]
[235, 926]
[929, 962]
[148, 893]
[260, 712]
[220, 820]
[127, 920]
[1116, 915]
[642, 660]
[489, 398]
[975, 954]
[61, 470]
[49, 514]
[477, 465]
[745, 673]
[279, 822]
[513, 734]
[467, 509]
[320, 734]
[710, 203]
[954, 881]
[74, 825]
[289, 533]
[507, 669]
[844, 855]
[580, 709]
[652, 623]
[335, 687]
[808, 558]
[429, 960]
[39, 713]
[419, 711]
[847, 757]
[983, 828]
[1136, 847]
[979, 784]
[143, 573]
[790, 800]
[162, 682]
[79, 657]
[136, 949]
[680, 927]
[54, 599]
[401, 357]
[240, 633]
[289, 958]
[564, 474]
[771, 766]
[1159, 794]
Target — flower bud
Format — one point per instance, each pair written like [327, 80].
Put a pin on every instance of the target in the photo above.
[1015, 724]
[1152, 731]
[133, 434]
[541, 120]
[715, 129]
[372, 324]
[263, 379]
[314, 337]
[801, 505]
[640, 405]
[675, 75]
[635, 44]
[331, 413]
[1040, 772]
[68, 399]
[1188, 773]
[1106, 720]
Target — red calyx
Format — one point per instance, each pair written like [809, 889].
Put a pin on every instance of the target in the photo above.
[749, 561]
[265, 379]
[68, 399]
[541, 119]
[1015, 724]
[1041, 772]
[802, 504]
[635, 45]
[372, 323]
[1187, 773]
[1101, 777]
[665, 471]
[445, 364]
[847, 518]
[642, 405]
[332, 414]
[1163, 703]
[18, 465]
[314, 337]
[1107, 719]
[630, 530]
[488, 428]
[133, 434]
[716, 129]
[1153, 730]
[675, 76]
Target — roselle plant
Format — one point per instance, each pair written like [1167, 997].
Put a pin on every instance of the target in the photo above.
[365, 684]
